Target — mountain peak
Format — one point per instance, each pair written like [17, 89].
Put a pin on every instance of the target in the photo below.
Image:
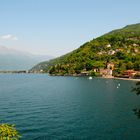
[12, 59]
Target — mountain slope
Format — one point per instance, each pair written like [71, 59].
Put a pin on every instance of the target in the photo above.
[121, 47]
[11, 59]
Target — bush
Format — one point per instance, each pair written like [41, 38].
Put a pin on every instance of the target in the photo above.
[8, 132]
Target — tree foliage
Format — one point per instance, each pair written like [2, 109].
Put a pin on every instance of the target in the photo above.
[8, 132]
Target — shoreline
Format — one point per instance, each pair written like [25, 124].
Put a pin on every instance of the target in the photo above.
[110, 77]
[128, 79]
[119, 78]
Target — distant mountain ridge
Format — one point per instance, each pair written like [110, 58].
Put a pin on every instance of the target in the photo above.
[121, 47]
[12, 59]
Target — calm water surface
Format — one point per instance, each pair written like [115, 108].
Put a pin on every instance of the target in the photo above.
[44, 107]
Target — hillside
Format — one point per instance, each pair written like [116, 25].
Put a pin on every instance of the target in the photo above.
[120, 47]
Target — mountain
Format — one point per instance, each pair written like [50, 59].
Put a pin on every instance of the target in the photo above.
[120, 47]
[11, 59]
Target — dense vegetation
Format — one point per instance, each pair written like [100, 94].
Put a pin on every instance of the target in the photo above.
[8, 132]
[121, 47]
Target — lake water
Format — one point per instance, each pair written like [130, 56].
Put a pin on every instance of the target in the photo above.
[55, 108]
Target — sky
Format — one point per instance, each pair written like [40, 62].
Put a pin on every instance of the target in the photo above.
[56, 27]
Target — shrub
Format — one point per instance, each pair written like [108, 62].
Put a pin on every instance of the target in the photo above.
[8, 132]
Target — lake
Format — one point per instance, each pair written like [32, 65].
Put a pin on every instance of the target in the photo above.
[45, 107]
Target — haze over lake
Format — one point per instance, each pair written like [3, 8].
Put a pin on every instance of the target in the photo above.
[44, 107]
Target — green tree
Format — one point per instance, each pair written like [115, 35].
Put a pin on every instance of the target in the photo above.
[137, 65]
[129, 65]
[8, 132]
[120, 55]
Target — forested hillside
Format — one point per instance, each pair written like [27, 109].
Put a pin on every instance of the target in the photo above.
[121, 47]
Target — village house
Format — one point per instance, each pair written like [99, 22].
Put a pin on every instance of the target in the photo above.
[135, 45]
[119, 50]
[137, 75]
[111, 52]
[136, 50]
[110, 65]
[101, 52]
[95, 69]
[106, 73]
[108, 45]
[129, 74]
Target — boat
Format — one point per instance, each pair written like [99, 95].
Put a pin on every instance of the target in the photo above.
[90, 78]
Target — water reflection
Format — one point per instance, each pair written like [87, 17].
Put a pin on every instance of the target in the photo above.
[137, 112]
[136, 90]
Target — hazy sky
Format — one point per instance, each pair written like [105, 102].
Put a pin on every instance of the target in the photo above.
[55, 27]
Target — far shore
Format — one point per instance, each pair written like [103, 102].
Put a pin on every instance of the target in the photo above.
[110, 77]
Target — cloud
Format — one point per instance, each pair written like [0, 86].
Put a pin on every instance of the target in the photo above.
[8, 37]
